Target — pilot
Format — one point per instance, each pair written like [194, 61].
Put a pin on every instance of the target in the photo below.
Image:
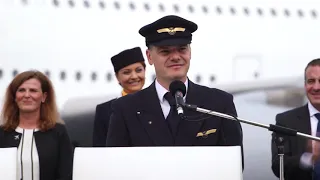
[31, 123]
[148, 117]
[301, 158]
[129, 67]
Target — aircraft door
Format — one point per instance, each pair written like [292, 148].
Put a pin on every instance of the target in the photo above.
[246, 67]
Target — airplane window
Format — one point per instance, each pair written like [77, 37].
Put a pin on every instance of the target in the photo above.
[24, 2]
[287, 12]
[161, 7]
[132, 6]
[14, 73]
[232, 10]
[205, 9]
[191, 9]
[62, 75]
[259, 11]
[146, 6]
[102, 5]
[273, 12]
[47, 73]
[78, 76]
[218, 10]
[109, 76]
[71, 3]
[212, 78]
[116, 5]
[198, 78]
[93, 76]
[314, 13]
[176, 8]
[55, 3]
[86, 4]
[300, 13]
[246, 11]
[1, 73]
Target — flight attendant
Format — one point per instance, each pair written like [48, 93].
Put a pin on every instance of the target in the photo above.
[129, 68]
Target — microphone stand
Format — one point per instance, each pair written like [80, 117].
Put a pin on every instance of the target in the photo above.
[279, 130]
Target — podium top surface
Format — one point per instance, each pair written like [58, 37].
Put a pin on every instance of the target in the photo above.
[158, 163]
[8, 163]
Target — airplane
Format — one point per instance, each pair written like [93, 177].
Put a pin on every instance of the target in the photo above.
[240, 47]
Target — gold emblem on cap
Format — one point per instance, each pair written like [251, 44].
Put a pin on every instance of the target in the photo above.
[171, 30]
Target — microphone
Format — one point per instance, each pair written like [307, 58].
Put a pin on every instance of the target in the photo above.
[178, 90]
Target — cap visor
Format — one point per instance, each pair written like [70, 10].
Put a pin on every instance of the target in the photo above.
[172, 42]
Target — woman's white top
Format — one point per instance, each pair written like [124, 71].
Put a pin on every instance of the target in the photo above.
[28, 160]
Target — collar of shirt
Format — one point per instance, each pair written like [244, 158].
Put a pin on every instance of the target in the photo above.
[161, 91]
[123, 93]
[312, 109]
[20, 130]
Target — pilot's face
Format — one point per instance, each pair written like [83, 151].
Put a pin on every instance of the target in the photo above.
[132, 77]
[312, 85]
[170, 62]
[29, 96]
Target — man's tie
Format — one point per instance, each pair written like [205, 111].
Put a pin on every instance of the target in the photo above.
[316, 175]
[172, 118]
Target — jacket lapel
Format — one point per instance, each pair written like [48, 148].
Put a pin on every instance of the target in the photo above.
[188, 129]
[304, 120]
[304, 126]
[151, 116]
[11, 139]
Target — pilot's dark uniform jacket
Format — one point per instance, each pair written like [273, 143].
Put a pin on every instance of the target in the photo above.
[53, 148]
[138, 120]
[103, 111]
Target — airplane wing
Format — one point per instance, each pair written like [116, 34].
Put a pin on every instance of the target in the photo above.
[262, 84]
[290, 88]
[285, 92]
[84, 105]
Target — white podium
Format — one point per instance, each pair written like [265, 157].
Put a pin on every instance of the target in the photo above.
[158, 163]
[8, 163]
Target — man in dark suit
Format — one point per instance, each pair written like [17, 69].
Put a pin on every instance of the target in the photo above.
[301, 154]
[146, 117]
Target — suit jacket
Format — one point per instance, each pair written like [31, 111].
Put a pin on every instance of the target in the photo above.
[101, 123]
[54, 150]
[138, 120]
[298, 119]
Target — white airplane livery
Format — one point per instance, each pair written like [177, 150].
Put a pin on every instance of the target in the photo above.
[240, 46]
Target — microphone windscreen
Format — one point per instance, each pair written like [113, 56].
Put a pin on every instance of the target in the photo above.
[177, 86]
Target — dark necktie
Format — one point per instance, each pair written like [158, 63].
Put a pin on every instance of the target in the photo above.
[316, 175]
[172, 118]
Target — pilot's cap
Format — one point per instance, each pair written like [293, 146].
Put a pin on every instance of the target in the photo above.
[169, 31]
[126, 58]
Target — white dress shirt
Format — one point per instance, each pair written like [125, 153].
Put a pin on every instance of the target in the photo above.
[161, 91]
[306, 158]
[26, 147]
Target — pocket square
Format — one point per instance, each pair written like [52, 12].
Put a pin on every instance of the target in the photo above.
[205, 133]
